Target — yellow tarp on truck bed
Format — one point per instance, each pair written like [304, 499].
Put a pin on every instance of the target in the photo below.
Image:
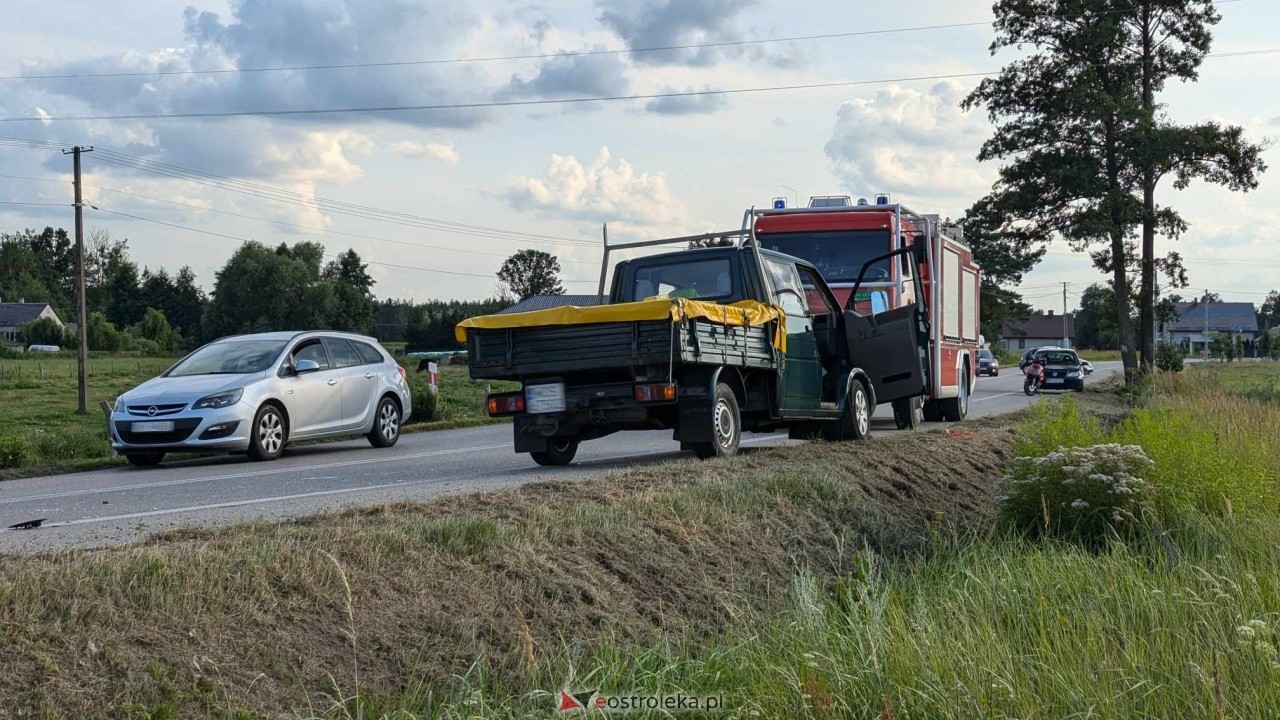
[746, 312]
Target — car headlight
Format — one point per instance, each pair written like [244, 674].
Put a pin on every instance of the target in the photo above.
[1073, 373]
[220, 400]
[119, 407]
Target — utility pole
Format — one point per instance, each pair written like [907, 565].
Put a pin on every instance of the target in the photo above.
[1204, 301]
[1066, 339]
[82, 330]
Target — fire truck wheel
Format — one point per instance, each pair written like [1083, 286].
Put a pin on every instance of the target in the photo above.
[954, 409]
[560, 451]
[726, 425]
[908, 413]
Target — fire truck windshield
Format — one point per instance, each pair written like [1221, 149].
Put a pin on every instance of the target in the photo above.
[838, 254]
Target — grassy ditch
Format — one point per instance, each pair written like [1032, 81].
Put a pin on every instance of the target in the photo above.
[40, 431]
[488, 598]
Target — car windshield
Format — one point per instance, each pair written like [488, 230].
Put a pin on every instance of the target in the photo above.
[1058, 357]
[230, 357]
[986, 355]
[838, 254]
[703, 279]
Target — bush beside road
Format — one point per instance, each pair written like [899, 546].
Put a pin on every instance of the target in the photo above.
[40, 431]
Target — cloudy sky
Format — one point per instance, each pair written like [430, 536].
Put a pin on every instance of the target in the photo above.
[459, 189]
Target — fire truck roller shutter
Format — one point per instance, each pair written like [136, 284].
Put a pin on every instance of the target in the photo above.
[971, 290]
[950, 294]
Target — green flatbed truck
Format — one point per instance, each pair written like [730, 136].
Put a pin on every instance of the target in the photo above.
[707, 375]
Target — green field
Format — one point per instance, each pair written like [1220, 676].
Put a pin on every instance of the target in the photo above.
[39, 426]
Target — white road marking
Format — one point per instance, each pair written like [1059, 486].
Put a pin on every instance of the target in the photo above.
[993, 397]
[256, 473]
[322, 493]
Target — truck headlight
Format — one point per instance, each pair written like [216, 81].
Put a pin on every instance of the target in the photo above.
[220, 400]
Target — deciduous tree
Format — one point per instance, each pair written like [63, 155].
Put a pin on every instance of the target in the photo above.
[531, 272]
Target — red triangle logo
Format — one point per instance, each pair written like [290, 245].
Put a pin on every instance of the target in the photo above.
[567, 702]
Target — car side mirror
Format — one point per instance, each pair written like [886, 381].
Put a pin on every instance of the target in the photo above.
[305, 366]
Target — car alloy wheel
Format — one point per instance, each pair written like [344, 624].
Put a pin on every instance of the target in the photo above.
[386, 424]
[389, 422]
[270, 433]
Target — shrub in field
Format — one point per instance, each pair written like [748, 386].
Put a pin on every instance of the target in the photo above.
[1054, 426]
[70, 444]
[14, 452]
[425, 402]
[1079, 493]
[1168, 357]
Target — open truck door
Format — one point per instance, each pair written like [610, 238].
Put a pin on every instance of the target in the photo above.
[891, 346]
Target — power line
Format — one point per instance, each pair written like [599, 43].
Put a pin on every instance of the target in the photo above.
[535, 102]
[245, 240]
[488, 104]
[328, 205]
[503, 58]
[274, 194]
[274, 221]
[537, 56]
[45, 204]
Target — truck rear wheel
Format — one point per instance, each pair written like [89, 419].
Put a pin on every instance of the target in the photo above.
[726, 426]
[955, 409]
[908, 413]
[855, 424]
[560, 451]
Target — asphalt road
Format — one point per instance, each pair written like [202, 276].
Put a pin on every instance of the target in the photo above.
[94, 509]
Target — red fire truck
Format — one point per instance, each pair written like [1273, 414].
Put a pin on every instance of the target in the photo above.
[904, 272]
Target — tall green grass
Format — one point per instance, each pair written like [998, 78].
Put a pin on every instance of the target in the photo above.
[1216, 446]
[1002, 629]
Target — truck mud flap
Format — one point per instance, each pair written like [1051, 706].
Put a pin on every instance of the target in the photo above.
[887, 347]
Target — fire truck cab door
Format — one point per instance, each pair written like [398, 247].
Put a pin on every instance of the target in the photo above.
[890, 346]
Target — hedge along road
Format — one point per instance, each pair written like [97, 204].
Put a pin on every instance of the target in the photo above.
[94, 509]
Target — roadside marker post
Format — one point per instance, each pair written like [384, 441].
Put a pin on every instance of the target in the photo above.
[106, 414]
[433, 377]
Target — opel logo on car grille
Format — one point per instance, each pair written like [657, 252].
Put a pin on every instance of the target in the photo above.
[153, 410]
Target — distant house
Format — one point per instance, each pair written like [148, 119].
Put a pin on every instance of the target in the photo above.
[1042, 328]
[546, 302]
[1198, 322]
[13, 315]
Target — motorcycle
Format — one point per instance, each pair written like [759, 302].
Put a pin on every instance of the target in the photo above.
[1035, 378]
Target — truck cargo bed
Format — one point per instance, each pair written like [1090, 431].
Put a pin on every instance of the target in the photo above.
[520, 352]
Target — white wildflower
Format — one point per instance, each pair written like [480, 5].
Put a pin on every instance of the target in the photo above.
[1078, 504]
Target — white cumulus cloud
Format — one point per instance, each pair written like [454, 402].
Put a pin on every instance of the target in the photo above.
[440, 152]
[907, 141]
[604, 190]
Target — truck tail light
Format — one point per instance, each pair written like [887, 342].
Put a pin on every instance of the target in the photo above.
[403, 375]
[506, 404]
[655, 393]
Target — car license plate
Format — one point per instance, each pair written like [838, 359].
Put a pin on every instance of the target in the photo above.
[1052, 381]
[546, 398]
[154, 426]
